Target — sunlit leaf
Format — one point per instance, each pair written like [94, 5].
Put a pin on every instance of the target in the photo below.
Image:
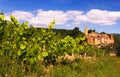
[32, 60]
[19, 53]
[52, 24]
[44, 54]
[22, 46]
[2, 16]
[40, 58]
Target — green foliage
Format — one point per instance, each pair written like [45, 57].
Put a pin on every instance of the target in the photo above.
[51, 24]
[2, 17]
[23, 47]
[28, 44]
[90, 31]
[73, 33]
[93, 51]
[116, 46]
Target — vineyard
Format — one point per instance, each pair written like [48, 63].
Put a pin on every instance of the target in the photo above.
[26, 51]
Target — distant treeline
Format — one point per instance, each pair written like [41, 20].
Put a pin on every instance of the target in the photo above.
[117, 43]
[64, 32]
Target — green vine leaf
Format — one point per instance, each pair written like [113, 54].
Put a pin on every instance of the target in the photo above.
[19, 53]
[22, 46]
[2, 16]
[40, 58]
[52, 24]
[44, 54]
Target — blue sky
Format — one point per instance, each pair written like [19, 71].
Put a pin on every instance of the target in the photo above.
[101, 15]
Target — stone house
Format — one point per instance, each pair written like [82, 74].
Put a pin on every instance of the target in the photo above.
[97, 39]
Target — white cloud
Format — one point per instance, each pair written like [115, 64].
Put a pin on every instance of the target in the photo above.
[22, 15]
[41, 18]
[68, 25]
[45, 17]
[73, 14]
[102, 17]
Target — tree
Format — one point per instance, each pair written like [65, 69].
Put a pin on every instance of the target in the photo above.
[75, 32]
[90, 31]
[103, 33]
[1, 13]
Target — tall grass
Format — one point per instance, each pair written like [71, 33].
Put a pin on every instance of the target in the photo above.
[94, 67]
[99, 67]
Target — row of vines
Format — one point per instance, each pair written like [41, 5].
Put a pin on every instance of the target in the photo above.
[24, 45]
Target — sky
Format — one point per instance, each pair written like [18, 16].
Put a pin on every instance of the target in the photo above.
[101, 15]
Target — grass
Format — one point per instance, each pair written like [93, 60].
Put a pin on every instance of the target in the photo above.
[100, 67]
[94, 67]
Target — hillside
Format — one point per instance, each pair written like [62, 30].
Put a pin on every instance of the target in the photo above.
[64, 32]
